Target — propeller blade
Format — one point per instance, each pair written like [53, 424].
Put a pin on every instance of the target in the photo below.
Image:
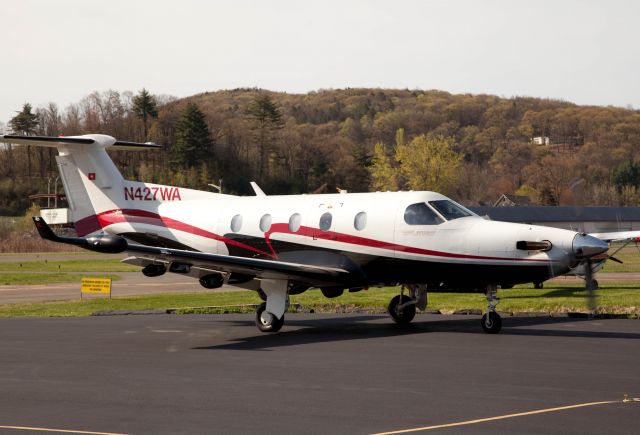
[615, 259]
[589, 286]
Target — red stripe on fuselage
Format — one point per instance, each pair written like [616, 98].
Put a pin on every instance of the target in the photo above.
[145, 217]
[372, 243]
[96, 222]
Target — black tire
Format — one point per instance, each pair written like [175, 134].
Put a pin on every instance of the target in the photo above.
[594, 284]
[491, 323]
[404, 316]
[273, 325]
[538, 285]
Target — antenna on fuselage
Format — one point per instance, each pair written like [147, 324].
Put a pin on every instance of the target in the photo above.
[257, 189]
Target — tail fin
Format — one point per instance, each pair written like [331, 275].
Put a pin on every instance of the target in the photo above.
[91, 180]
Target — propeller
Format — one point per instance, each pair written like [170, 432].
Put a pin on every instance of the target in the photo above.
[585, 249]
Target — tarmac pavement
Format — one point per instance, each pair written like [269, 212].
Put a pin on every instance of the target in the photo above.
[321, 374]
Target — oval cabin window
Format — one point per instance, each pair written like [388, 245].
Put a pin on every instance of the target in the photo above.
[325, 221]
[236, 223]
[294, 222]
[265, 223]
[360, 221]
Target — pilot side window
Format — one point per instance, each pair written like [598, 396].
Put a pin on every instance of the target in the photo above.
[325, 221]
[449, 210]
[265, 223]
[421, 214]
[360, 221]
[294, 222]
[236, 223]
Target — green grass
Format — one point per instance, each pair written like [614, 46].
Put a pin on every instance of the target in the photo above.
[630, 257]
[8, 278]
[68, 266]
[613, 298]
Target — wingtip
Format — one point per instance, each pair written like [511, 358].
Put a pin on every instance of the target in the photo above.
[43, 228]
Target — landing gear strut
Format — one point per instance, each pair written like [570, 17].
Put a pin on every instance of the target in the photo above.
[270, 314]
[491, 321]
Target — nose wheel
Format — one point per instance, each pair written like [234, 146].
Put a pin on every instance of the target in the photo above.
[491, 321]
[266, 321]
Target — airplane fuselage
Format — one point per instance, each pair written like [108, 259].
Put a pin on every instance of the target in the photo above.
[369, 233]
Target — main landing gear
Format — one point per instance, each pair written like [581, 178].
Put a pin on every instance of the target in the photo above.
[270, 314]
[491, 321]
[266, 321]
[402, 308]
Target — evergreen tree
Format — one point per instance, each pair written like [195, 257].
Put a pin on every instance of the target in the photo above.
[193, 141]
[144, 106]
[267, 117]
[626, 175]
[25, 122]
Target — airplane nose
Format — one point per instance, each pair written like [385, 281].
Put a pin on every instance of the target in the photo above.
[585, 246]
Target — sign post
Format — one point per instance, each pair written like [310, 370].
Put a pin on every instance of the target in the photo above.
[96, 285]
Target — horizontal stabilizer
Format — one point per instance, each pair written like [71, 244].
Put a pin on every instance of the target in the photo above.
[90, 139]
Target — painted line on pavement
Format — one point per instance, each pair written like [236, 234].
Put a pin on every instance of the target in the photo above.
[502, 417]
[45, 429]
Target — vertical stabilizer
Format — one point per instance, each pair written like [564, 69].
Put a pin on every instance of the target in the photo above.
[91, 180]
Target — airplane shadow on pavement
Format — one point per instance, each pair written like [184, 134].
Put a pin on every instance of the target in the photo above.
[309, 331]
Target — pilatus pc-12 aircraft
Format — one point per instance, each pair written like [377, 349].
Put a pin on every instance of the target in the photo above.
[284, 245]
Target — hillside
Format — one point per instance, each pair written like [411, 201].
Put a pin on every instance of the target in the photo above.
[326, 139]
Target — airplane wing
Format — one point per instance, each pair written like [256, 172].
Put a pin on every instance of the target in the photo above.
[617, 236]
[251, 267]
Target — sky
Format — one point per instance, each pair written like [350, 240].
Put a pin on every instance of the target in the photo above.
[586, 52]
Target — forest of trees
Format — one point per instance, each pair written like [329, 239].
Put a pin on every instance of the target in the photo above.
[470, 147]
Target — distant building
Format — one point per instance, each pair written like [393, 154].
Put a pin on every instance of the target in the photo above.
[511, 201]
[541, 140]
[585, 219]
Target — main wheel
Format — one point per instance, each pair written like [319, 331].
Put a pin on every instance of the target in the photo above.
[538, 285]
[403, 315]
[267, 322]
[491, 322]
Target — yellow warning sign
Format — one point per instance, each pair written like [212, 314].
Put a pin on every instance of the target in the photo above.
[96, 285]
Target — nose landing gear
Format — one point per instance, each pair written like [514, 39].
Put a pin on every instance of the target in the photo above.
[491, 321]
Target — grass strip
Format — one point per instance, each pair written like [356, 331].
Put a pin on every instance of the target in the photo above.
[68, 266]
[614, 298]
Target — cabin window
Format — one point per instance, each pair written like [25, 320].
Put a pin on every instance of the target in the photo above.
[325, 221]
[236, 223]
[449, 209]
[360, 221]
[265, 223]
[294, 222]
[421, 214]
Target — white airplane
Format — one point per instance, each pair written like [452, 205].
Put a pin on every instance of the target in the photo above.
[284, 245]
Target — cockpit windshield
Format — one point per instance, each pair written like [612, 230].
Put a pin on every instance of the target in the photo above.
[450, 210]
